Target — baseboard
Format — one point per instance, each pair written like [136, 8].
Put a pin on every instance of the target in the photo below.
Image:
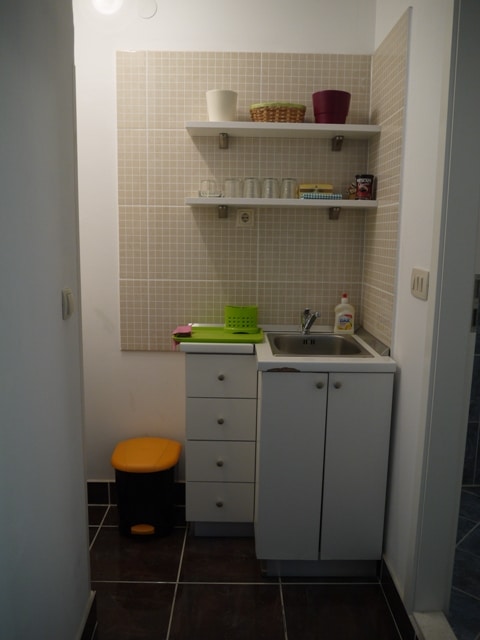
[402, 619]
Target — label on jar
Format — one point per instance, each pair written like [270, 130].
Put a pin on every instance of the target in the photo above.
[364, 187]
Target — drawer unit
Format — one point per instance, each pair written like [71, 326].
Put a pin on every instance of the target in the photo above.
[221, 434]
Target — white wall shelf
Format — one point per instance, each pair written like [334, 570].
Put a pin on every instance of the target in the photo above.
[282, 130]
[334, 206]
[263, 203]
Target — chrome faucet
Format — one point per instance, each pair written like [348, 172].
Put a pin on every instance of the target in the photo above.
[307, 320]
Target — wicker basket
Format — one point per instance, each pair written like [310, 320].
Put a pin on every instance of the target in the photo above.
[241, 319]
[277, 112]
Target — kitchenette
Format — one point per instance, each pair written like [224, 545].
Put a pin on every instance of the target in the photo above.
[287, 439]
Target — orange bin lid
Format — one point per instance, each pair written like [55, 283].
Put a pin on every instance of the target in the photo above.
[146, 455]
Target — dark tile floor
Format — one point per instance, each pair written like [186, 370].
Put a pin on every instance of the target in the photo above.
[183, 587]
[464, 614]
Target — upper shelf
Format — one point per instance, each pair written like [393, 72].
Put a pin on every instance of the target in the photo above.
[283, 130]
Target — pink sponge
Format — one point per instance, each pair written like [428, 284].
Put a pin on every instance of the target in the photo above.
[183, 331]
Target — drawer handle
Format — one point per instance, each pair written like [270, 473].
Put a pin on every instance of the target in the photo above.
[220, 421]
[219, 503]
[221, 377]
[337, 385]
[319, 385]
[220, 463]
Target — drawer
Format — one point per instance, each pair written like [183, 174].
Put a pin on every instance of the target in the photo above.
[216, 461]
[220, 376]
[221, 418]
[217, 502]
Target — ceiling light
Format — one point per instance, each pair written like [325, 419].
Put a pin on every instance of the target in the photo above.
[107, 7]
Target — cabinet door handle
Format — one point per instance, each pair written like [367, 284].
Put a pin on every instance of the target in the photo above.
[337, 385]
[219, 503]
[219, 462]
[221, 377]
[220, 421]
[319, 385]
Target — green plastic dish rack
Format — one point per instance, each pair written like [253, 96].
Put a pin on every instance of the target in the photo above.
[241, 319]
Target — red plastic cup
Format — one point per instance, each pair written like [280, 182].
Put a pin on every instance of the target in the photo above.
[331, 106]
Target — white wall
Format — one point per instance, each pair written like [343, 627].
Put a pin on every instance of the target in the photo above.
[44, 564]
[421, 202]
[129, 394]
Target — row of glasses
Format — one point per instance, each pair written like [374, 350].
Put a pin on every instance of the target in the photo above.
[251, 188]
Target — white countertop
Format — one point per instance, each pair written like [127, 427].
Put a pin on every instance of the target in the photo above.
[266, 359]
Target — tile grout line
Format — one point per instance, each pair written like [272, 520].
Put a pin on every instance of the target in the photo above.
[172, 608]
[284, 615]
[99, 528]
[470, 531]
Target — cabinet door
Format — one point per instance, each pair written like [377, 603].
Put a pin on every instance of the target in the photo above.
[290, 446]
[356, 461]
[221, 376]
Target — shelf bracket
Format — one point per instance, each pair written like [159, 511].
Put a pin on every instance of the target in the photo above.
[334, 213]
[337, 142]
[222, 211]
[223, 140]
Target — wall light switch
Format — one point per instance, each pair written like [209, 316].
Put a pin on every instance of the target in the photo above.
[419, 283]
[68, 303]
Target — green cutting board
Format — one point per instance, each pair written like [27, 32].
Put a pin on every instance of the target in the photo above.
[218, 334]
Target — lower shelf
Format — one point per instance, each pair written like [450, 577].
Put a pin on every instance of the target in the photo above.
[282, 203]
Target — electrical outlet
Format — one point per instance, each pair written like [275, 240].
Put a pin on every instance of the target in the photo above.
[419, 283]
[245, 218]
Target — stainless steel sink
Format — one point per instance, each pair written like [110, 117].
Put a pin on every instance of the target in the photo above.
[325, 344]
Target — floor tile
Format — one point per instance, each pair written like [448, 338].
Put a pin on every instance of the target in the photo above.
[111, 517]
[96, 514]
[346, 612]
[464, 615]
[465, 526]
[470, 504]
[97, 493]
[116, 557]
[466, 573]
[471, 542]
[227, 611]
[130, 611]
[220, 560]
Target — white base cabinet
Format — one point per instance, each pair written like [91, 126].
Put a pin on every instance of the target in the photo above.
[221, 433]
[322, 459]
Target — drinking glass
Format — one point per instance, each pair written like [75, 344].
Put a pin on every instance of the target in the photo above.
[270, 188]
[208, 189]
[289, 188]
[233, 188]
[251, 188]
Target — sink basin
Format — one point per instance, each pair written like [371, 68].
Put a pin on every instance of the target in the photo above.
[327, 344]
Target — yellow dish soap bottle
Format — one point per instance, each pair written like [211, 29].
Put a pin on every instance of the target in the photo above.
[344, 317]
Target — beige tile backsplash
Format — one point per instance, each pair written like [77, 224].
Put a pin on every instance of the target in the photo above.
[180, 264]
